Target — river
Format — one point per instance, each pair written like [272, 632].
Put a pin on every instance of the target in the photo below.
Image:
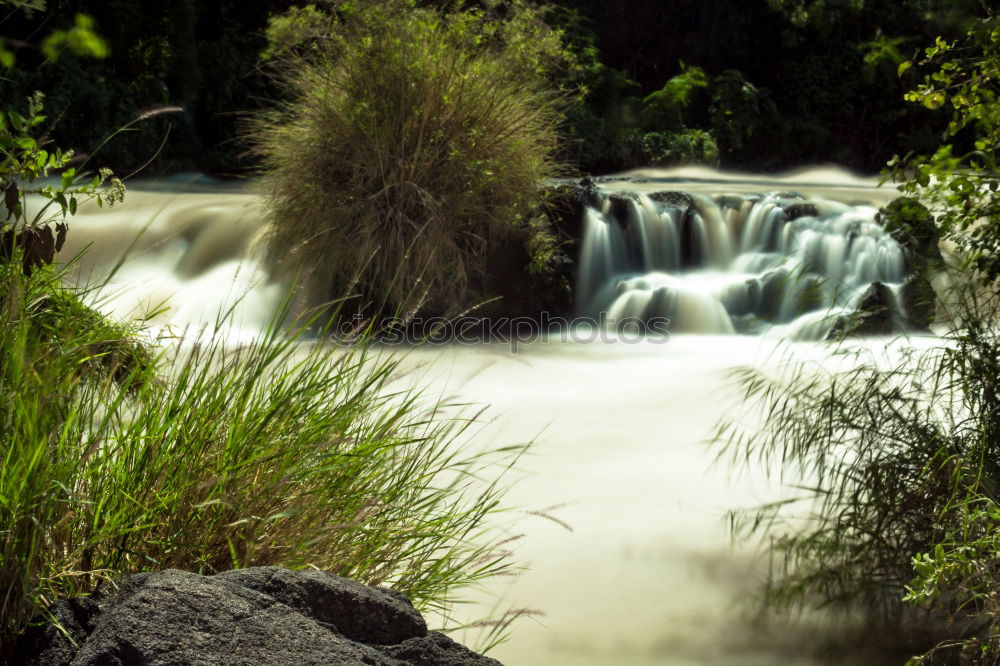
[622, 506]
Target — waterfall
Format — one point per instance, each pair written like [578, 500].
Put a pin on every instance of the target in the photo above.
[746, 264]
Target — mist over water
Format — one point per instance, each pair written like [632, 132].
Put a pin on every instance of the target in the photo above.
[192, 258]
[648, 574]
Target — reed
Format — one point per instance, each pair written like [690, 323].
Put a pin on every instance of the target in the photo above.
[895, 472]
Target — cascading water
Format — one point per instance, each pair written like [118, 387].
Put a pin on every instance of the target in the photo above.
[732, 264]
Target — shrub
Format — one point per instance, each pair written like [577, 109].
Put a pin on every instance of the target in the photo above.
[667, 109]
[415, 140]
[687, 146]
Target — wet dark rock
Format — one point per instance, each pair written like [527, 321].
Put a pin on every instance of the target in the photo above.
[773, 286]
[618, 179]
[918, 300]
[256, 617]
[620, 207]
[873, 315]
[673, 199]
[795, 211]
[911, 224]
[691, 240]
[588, 193]
[436, 649]
[749, 324]
[808, 294]
[733, 201]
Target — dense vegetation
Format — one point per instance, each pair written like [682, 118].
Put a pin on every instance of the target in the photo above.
[762, 85]
[898, 464]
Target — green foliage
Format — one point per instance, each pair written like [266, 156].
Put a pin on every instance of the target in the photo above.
[740, 112]
[296, 29]
[686, 146]
[26, 159]
[415, 141]
[815, 12]
[890, 462]
[605, 106]
[664, 109]
[961, 179]
[119, 457]
[80, 39]
[162, 54]
[24, 162]
[914, 228]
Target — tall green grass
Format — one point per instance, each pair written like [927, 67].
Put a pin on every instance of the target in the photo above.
[120, 457]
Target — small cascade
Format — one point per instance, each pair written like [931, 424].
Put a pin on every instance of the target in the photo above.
[724, 264]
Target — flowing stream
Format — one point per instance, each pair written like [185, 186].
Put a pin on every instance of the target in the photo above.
[622, 507]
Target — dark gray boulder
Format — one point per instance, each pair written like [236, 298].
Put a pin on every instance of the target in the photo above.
[797, 210]
[773, 286]
[873, 316]
[912, 225]
[620, 206]
[673, 199]
[436, 649]
[253, 617]
[373, 615]
[919, 301]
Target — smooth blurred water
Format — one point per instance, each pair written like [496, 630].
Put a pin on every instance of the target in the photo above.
[648, 574]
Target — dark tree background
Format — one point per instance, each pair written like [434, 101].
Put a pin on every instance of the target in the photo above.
[787, 82]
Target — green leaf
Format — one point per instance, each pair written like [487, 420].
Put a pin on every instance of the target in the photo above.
[17, 121]
[934, 100]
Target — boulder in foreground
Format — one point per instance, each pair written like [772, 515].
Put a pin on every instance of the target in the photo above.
[258, 616]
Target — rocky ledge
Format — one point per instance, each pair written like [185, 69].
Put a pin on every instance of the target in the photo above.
[259, 616]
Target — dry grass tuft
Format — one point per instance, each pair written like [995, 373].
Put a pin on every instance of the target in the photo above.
[415, 142]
